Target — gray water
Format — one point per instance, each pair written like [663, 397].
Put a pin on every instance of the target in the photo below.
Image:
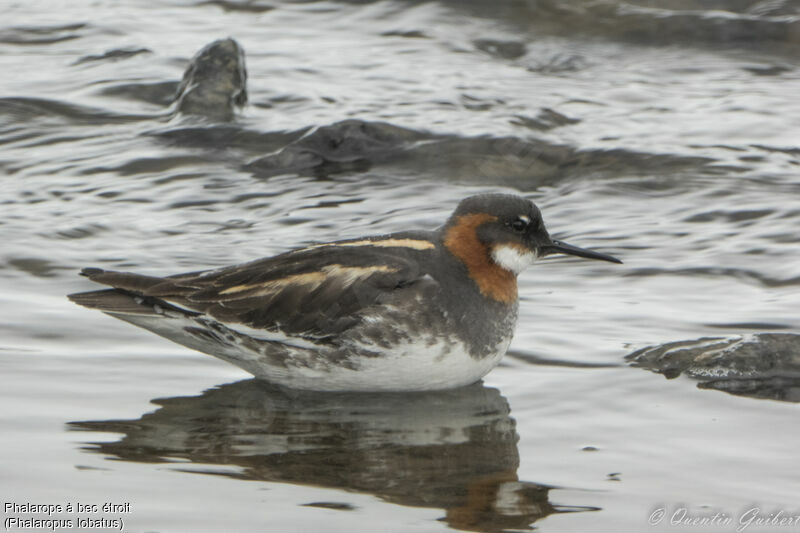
[665, 133]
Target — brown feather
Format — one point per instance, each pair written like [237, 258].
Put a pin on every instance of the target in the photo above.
[493, 281]
[318, 291]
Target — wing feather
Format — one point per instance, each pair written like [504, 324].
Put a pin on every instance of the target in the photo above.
[318, 292]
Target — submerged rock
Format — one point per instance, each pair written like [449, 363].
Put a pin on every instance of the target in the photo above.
[347, 145]
[355, 145]
[762, 365]
[214, 87]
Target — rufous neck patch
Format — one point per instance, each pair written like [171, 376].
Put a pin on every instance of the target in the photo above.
[492, 280]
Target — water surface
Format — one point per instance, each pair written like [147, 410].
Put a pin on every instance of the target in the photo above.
[664, 135]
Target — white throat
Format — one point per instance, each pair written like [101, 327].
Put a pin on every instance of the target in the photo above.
[512, 259]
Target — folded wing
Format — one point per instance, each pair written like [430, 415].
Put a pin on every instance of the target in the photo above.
[315, 293]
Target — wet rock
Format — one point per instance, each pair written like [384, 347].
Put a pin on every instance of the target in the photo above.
[357, 145]
[226, 136]
[763, 365]
[213, 87]
[346, 145]
[351, 139]
[783, 389]
[215, 83]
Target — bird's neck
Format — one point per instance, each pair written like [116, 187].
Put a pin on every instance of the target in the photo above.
[493, 281]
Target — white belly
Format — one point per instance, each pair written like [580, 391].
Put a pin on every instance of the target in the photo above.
[427, 363]
[408, 367]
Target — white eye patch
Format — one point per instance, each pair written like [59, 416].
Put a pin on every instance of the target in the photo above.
[511, 258]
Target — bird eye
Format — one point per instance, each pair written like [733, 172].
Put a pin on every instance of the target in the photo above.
[519, 225]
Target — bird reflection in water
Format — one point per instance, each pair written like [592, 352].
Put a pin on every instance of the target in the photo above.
[455, 450]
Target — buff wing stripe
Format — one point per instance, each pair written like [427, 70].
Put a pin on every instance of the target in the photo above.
[414, 244]
[312, 280]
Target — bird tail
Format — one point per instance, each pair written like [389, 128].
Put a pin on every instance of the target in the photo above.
[128, 295]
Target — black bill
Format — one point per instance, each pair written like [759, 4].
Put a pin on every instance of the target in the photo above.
[559, 247]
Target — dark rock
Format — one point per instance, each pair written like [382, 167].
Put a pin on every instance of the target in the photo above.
[762, 365]
[215, 83]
